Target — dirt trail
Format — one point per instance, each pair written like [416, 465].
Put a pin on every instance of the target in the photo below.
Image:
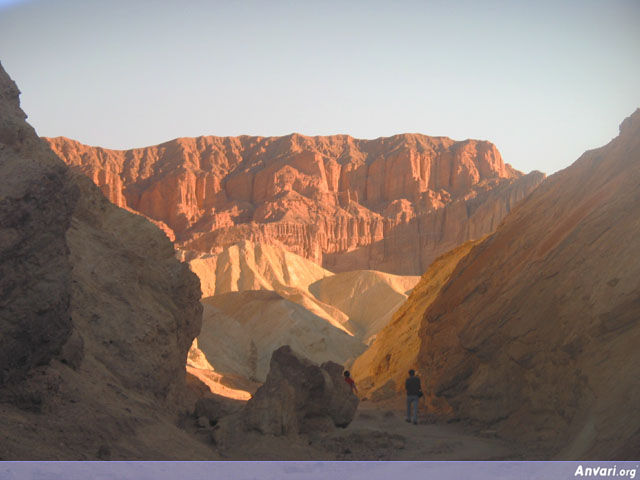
[379, 432]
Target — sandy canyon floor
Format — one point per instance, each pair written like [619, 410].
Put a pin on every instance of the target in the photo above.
[378, 432]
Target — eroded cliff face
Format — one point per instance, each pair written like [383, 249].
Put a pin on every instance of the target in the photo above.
[96, 314]
[390, 204]
[536, 332]
[134, 305]
[36, 205]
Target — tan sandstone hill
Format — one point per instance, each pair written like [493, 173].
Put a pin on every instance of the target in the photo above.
[241, 330]
[536, 333]
[248, 266]
[390, 204]
[360, 302]
[96, 315]
[367, 297]
[252, 294]
[271, 281]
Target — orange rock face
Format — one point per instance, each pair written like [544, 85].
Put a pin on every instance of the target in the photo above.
[390, 204]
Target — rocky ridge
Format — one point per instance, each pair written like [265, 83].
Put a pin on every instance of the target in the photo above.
[390, 204]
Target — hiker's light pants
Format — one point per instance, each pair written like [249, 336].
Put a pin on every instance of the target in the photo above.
[412, 400]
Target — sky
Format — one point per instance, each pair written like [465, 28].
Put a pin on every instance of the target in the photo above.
[543, 80]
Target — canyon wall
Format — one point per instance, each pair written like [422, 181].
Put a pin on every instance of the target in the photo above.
[36, 205]
[96, 315]
[382, 368]
[535, 333]
[391, 204]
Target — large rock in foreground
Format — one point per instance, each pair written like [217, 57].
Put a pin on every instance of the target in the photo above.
[299, 395]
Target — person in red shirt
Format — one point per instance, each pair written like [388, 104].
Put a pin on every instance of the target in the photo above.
[349, 380]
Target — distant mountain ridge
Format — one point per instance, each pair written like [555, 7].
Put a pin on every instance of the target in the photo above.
[390, 204]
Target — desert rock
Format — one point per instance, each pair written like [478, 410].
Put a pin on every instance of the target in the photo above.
[536, 331]
[298, 392]
[36, 205]
[383, 367]
[367, 297]
[390, 204]
[97, 314]
[254, 289]
[250, 266]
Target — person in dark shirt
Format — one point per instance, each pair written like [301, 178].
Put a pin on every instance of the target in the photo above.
[350, 382]
[414, 392]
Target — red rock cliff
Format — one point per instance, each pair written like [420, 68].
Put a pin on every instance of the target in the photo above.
[390, 204]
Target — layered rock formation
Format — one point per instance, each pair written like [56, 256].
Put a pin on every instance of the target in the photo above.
[390, 204]
[96, 314]
[536, 332]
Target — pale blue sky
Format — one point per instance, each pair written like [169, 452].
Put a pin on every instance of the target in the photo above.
[542, 80]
